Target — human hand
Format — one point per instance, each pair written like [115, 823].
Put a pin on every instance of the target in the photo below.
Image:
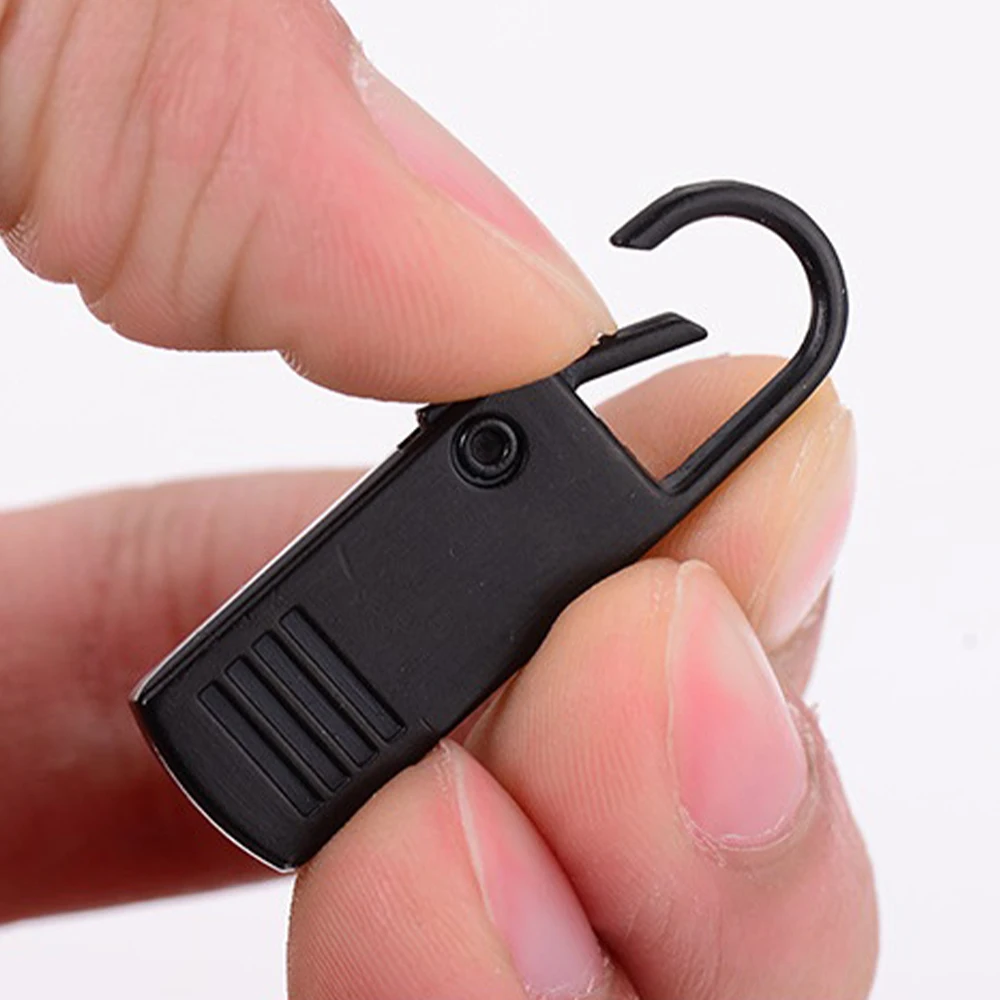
[644, 811]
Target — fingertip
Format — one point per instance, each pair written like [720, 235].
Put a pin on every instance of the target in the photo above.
[775, 528]
[440, 877]
[434, 157]
[526, 894]
[227, 178]
[740, 765]
[816, 510]
[390, 906]
[662, 743]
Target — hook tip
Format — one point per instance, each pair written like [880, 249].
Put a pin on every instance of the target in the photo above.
[630, 237]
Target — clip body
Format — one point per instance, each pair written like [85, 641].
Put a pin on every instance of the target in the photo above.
[432, 582]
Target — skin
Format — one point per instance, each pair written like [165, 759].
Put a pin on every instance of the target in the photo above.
[147, 154]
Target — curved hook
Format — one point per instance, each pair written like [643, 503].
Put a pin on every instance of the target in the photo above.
[709, 464]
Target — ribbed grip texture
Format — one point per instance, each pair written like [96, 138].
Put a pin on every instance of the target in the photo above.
[297, 709]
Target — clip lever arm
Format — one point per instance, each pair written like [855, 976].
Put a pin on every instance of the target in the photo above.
[632, 344]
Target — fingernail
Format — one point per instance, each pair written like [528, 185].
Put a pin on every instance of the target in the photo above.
[527, 895]
[432, 153]
[815, 535]
[740, 764]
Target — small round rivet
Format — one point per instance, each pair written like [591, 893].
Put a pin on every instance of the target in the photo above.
[488, 450]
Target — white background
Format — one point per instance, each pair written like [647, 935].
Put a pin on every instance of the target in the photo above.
[881, 119]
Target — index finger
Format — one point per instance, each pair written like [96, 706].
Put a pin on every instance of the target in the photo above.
[237, 175]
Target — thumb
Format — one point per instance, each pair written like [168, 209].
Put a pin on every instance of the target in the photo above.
[218, 175]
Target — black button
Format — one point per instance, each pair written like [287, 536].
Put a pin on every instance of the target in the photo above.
[488, 450]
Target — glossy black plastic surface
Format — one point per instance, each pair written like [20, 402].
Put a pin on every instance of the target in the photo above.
[414, 598]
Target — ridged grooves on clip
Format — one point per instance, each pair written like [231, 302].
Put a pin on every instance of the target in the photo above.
[305, 717]
[349, 684]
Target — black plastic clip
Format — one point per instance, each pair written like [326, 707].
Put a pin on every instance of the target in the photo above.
[433, 581]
